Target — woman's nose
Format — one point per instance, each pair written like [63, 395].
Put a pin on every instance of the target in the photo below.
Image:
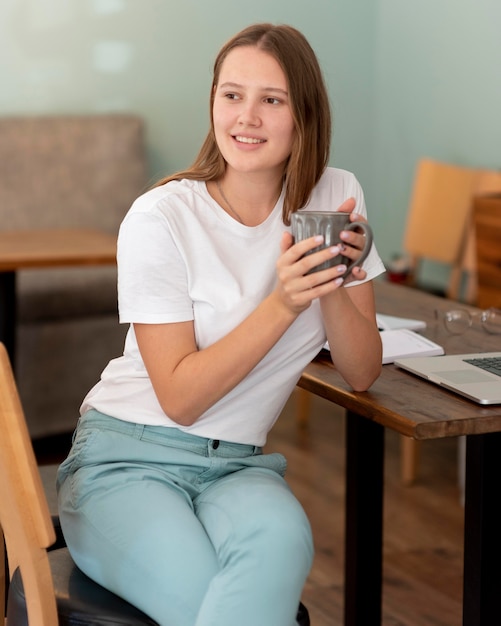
[249, 115]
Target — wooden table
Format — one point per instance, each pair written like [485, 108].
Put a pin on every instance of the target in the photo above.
[23, 249]
[418, 409]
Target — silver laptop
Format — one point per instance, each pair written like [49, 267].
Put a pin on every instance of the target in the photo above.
[474, 376]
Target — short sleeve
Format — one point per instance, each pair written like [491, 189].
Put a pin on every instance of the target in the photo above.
[152, 281]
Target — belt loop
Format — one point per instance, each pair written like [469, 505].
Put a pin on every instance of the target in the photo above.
[138, 431]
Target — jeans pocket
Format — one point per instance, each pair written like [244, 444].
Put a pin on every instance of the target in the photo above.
[82, 440]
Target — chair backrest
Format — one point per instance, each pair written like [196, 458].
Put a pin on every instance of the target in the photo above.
[439, 217]
[487, 228]
[24, 514]
[67, 171]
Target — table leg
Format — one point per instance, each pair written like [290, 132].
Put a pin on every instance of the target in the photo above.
[364, 521]
[8, 312]
[482, 535]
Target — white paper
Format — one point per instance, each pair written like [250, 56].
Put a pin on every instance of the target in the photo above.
[390, 322]
[402, 342]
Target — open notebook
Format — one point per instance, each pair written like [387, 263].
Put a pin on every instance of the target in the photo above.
[402, 342]
[399, 339]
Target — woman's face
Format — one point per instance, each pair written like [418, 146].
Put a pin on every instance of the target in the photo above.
[252, 118]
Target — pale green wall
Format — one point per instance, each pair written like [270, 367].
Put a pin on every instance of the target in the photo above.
[407, 78]
[437, 94]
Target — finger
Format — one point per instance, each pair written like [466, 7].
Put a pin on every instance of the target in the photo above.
[354, 239]
[315, 279]
[286, 242]
[311, 261]
[357, 217]
[347, 206]
[303, 291]
[357, 273]
[300, 248]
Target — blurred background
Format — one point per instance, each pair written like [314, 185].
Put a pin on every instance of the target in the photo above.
[406, 79]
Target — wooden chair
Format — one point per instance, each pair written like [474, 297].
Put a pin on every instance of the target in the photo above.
[487, 235]
[45, 587]
[439, 221]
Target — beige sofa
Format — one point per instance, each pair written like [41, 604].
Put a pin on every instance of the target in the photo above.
[67, 171]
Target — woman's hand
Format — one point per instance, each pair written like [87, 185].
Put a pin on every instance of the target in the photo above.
[353, 241]
[296, 288]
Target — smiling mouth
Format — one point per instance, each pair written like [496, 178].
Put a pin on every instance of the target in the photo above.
[241, 139]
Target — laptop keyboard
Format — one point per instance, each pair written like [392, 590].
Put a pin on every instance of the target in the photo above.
[489, 364]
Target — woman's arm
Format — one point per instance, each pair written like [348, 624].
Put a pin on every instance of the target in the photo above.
[188, 381]
[350, 322]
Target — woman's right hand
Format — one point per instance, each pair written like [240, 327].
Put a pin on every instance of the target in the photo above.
[295, 287]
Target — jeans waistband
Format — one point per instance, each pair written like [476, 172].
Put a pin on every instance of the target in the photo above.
[168, 436]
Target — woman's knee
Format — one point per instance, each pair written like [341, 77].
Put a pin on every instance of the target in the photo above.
[285, 532]
[260, 515]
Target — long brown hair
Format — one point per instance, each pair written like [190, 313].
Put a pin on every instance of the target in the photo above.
[309, 106]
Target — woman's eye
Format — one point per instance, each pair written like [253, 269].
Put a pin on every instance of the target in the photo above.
[231, 96]
[272, 100]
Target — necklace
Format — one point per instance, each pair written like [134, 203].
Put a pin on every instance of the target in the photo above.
[221, 193]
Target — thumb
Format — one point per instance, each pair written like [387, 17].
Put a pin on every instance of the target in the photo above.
[286, 242]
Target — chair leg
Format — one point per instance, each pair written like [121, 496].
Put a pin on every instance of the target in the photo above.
[303, 402]
[4, 576]
[409, 458]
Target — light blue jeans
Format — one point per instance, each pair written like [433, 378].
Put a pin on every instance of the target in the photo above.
[193, 531]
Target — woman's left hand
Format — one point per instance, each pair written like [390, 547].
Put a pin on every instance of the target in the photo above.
[353, 241]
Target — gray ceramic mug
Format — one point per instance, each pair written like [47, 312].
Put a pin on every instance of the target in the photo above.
[306, 224]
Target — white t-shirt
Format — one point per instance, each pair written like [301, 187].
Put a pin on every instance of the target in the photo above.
[181, 257]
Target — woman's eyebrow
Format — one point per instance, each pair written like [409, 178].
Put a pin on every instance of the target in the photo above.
[233, 85]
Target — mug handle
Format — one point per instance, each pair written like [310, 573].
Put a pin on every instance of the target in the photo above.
[367, 230]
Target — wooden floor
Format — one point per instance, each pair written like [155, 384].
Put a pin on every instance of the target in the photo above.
[423, 524]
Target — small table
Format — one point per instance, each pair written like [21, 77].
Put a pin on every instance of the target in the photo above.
[418, 409]
[23, 249]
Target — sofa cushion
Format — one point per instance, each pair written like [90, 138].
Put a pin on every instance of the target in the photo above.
[62, 293]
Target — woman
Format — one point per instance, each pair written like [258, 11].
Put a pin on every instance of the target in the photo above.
[166, 497]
